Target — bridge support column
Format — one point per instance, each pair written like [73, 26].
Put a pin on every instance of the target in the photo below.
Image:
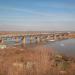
[38, 39]
[45, 38]
[55, 37]
[17, 39]
[52, 37]
[31, 39]
[41, 38]
[24, 40]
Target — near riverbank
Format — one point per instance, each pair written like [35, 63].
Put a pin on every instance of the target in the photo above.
[36, 60]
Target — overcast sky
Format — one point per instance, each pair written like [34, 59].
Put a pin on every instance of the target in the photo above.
[37, 15]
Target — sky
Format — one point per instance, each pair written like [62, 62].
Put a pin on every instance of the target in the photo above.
[37, 15]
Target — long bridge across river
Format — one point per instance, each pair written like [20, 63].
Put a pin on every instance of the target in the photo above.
[38, 36]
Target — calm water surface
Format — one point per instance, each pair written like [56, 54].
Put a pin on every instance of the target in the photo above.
[66, 47]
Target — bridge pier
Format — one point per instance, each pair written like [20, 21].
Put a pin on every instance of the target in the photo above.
[23, 40]
[17, 39]
[32, 38]
[55, 37]
[41, 38]
[37, 39]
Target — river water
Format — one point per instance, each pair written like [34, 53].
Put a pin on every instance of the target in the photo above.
[66, 47]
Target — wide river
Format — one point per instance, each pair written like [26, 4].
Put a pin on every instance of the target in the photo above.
[66, 47]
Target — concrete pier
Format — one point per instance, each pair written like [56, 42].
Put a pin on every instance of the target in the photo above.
[24, 40]
[17, 39]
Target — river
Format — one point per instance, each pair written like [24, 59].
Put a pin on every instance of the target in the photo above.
[66, 47]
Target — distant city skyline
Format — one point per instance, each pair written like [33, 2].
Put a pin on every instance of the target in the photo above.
[37, 15]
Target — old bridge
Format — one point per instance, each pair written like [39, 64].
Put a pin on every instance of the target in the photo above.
[38, 36]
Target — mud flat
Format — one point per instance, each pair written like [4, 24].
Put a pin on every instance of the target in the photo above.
[34, 61]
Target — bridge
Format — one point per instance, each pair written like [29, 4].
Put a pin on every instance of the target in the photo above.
[38, 36]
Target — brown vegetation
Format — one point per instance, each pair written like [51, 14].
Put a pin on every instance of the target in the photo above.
[34, 61]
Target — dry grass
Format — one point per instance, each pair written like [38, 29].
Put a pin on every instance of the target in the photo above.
[31, 61]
